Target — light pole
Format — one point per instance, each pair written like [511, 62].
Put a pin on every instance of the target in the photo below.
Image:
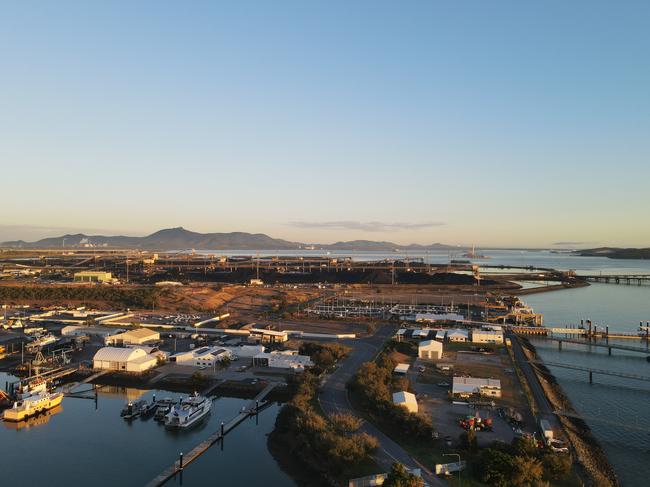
[459, 464]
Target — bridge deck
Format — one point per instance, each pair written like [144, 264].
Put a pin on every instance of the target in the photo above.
[614, 346]
[594, 371]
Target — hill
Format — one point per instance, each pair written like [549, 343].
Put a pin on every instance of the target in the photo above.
[179, 238]
[616, 253]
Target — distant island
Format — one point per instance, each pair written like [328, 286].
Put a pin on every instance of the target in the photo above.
[616, 253]
[180, 238]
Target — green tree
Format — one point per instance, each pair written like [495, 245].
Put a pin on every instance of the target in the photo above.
[556, 467]
[527, 472]
[400, 477]
[495, 467]
[468, 440]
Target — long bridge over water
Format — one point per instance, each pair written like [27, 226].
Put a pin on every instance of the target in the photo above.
[638, 279]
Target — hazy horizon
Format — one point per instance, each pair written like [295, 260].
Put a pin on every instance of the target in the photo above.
[497, 123]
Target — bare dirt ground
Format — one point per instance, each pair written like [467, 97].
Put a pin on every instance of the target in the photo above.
[239, 301]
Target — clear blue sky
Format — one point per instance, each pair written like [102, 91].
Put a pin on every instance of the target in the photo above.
[500, 123]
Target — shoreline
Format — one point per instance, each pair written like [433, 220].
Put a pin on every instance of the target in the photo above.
[589, 455]
[553, 287]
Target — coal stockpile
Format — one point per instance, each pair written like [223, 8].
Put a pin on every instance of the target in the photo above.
[352, 276]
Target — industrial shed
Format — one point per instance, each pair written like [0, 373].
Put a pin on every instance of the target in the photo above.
[139, 336]
[457, 335]
[406, 400]
[430, 349]
[124, 359]
[487, 336]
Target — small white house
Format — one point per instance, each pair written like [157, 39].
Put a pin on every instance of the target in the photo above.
[406, 400]
[457, 335]
[430, 349]
[401, 369]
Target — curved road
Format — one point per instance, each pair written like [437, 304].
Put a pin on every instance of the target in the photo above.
[333, 398]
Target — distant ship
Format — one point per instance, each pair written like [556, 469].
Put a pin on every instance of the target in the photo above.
[188, 413]
[474, 255]
[33, 405]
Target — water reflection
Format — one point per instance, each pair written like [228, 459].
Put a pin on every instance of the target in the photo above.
[34, 421]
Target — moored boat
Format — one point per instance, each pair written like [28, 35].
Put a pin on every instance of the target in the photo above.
[33, 405]
[132, 410]
[188, 413]
[164, 407]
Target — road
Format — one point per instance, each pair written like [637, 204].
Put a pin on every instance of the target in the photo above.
[543, 405]
[333, 398]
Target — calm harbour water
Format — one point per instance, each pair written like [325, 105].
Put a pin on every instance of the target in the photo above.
[81, 445]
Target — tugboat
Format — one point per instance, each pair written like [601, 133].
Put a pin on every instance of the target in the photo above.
[33, 405]
[188, 413]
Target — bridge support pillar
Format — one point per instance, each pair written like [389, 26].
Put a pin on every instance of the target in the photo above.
[591, 377]
[559, 344]
[609, 350]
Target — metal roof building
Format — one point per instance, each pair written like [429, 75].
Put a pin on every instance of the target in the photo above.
[406, 400]
[137, 336]
[430, 349]
[466, 386]
[124, 359]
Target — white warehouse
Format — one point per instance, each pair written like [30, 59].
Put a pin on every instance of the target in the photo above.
[138, 336]
[430, 349]
[124, 359]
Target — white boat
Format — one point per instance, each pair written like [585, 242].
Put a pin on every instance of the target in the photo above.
[41, 342]
[188, 413]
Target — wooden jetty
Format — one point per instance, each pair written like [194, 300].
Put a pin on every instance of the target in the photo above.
[202, 447]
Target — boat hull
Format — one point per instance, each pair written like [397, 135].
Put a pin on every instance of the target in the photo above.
[21, 414]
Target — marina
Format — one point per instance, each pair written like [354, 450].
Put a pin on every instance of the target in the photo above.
[94, 434]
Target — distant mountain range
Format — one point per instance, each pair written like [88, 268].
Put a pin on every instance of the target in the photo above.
[616, 253]
[180, 238]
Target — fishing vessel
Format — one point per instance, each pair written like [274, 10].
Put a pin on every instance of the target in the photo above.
[33, 405]
[188, 413]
